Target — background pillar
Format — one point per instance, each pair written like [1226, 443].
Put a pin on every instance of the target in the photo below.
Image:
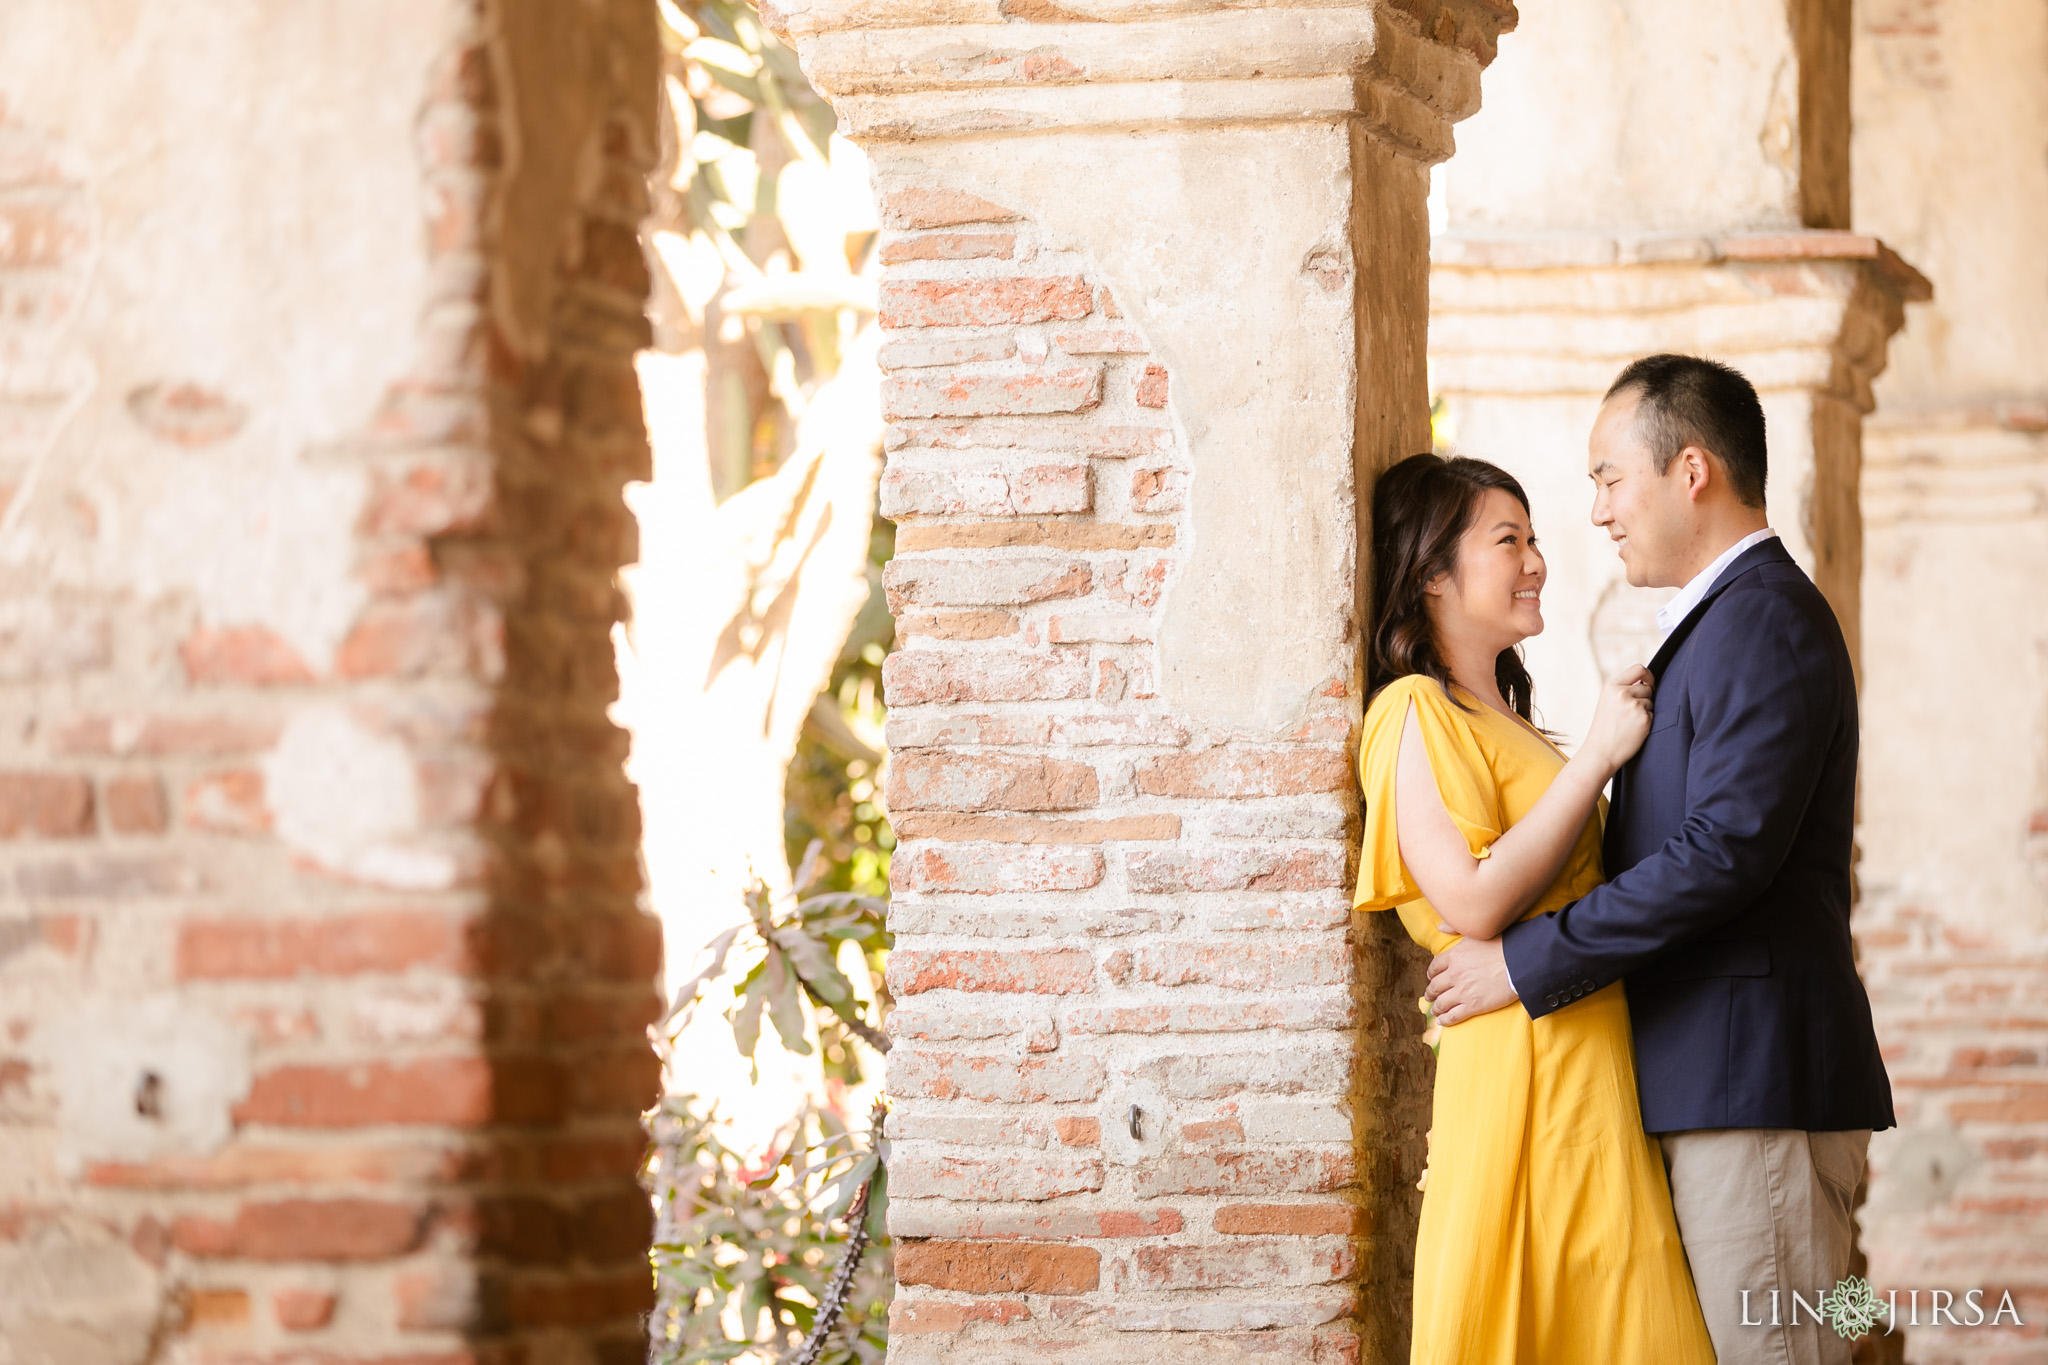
[1951, 122]
[1661, 177]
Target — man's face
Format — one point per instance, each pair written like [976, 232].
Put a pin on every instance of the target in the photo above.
[1648, 515]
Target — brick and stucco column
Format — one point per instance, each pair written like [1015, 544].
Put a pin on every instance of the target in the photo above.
[1155, 299]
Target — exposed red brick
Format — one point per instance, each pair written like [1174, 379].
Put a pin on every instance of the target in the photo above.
[908, 1315]
[1300, 1220]
[155, 736]
[70, 935]
[1234, 869]
[1019, 829]
[48, 805]
[993, 869]
[1235, 966]
[306, 1230]
[1158, 489]
[932, 208]
[1062, 535]
[942, 393]
[1058, 1078]
[441, 1090]
[302, 1310]
[37, 234]
[135, 805]
[1238, 1265]
[1041, 1222]
[430, 498]
[409, 568]
[2019, 1108]
[949, 246]
[217, 1307]
[414, 636]
[339, 945]
[1150, 390]
[186, 414]
[999, 1267]
[1073, 1132]
[1256, 1170]
[435, 1299]
[913, 677]
[243, 654]
[1011, 581]
[959, 625]
[1100, 341]
[229, 802]
[938, 780]
[1212, 1130]
[1055, 971]
[1233, 772]
[984, 302]
[237, 1166]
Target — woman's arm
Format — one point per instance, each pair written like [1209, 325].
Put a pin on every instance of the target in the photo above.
[1479, 897]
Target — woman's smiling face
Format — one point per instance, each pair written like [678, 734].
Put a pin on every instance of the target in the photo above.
[1497, 592]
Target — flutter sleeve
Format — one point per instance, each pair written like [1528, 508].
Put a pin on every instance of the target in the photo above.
[1462, 779]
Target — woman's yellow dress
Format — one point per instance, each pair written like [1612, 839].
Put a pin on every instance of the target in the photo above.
[1547, 1235]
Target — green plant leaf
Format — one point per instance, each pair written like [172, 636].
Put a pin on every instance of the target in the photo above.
[746, 1022]
[785, 1003]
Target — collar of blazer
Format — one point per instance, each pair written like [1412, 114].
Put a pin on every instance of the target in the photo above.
[1771, 551]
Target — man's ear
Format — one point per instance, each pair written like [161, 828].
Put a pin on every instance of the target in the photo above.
[1699, 471]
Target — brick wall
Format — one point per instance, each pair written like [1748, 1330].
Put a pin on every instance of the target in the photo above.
[322, 978]
[1954, 873]
[1100, 907]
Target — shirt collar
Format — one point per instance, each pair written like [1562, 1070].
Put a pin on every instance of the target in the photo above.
[1679, 607]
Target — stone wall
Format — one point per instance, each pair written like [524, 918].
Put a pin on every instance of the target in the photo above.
[1951, 127]
[322, 971]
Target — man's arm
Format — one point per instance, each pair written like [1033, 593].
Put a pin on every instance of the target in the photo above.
[1763, 721]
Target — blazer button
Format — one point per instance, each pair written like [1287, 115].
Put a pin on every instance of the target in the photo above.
[1550, 1000]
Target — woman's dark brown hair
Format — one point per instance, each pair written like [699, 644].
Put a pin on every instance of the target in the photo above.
[1421, 509]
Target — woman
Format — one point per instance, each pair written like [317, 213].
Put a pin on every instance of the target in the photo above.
[1547, 1235]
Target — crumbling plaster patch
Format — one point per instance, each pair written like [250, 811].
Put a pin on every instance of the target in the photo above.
[316, 226]
[1264, 385]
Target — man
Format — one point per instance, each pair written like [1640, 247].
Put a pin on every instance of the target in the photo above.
[1728, 858]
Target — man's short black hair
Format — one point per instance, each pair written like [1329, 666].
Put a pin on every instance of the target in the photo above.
[1687, 400]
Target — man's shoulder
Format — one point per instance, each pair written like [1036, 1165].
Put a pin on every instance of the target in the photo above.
[1773, 597]
[1771, 623]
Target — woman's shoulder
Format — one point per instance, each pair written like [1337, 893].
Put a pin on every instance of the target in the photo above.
[1386, 716]
[1419, 688]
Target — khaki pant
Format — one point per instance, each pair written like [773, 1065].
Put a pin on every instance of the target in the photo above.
[1763, 1209]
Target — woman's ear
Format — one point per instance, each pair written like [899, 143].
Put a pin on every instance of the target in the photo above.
[1435, 586]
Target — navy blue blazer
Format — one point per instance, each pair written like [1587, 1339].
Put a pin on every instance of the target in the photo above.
[1726, 909]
